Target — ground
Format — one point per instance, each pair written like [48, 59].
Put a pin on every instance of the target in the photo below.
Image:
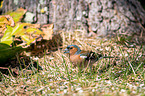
[122, 75]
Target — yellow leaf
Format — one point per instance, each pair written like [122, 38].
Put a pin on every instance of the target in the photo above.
[27, 34]
[17, 15]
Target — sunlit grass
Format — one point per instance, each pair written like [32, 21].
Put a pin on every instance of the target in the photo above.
[121, 75]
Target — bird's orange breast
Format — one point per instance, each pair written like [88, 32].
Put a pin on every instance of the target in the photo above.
[76, 59]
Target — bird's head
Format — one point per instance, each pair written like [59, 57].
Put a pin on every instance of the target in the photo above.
[72, 49]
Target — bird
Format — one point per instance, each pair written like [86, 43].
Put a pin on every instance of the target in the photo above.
[80, 57]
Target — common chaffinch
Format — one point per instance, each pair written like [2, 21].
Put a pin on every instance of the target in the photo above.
[78, 56]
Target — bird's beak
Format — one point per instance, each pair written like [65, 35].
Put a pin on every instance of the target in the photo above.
[66, 50]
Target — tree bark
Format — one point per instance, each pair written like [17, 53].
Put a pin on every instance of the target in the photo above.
[104, 17]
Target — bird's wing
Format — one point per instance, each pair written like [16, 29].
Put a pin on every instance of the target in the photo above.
[84, 54]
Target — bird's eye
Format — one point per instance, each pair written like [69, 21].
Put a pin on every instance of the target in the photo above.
[71, 48]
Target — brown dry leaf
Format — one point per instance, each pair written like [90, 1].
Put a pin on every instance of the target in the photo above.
[34, 26]
[10, 20]
[6, 20]
[48, 31]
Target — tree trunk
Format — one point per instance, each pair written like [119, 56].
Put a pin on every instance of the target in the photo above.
[104, 17]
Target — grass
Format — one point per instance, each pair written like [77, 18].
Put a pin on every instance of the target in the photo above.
[122, 75]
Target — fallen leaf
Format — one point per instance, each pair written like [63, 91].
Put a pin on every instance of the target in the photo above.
[17, 15]
[27, 34]
[48, 31]
[5, 20]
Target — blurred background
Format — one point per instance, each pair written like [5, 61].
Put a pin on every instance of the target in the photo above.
[104, 17]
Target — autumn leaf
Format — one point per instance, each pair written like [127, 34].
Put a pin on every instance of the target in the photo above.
[22, 30]
[5, 20]
[48, 31]
[1, 4]
[17, 15]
